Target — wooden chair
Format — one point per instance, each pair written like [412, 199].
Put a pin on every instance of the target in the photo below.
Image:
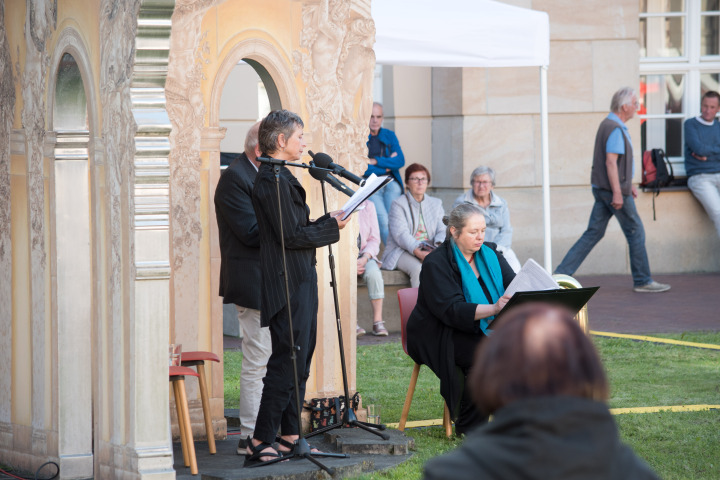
[407, 298]
[566, 281]
[177, 378]
[198, 359]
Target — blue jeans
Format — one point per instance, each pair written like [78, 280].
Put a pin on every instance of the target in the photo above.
[383, 200]
[631, 226]
[706, 188]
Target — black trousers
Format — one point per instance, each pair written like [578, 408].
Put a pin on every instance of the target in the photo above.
[278, 408]
[469, 416]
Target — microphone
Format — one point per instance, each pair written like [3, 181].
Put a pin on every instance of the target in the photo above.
[323, 160]
[324, 176]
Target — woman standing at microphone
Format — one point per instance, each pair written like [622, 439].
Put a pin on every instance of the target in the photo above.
[281, 137]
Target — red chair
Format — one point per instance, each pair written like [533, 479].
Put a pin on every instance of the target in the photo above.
[198, 359]
[407, 298]
[177, 378]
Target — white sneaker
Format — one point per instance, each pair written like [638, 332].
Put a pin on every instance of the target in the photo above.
[652, 287]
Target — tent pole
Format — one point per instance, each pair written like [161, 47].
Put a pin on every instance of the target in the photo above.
[545, 167]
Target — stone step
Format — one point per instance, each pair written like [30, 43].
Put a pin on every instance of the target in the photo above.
[394, 281]
[360, 442]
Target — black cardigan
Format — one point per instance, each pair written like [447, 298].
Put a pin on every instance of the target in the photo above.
[558, 438]
[440, 309]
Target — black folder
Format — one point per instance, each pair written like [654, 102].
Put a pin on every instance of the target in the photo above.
[572, 298]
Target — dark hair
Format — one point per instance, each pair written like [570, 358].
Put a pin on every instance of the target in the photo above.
[535, 350]
[711, 94]
[416, 167]
[277, 122]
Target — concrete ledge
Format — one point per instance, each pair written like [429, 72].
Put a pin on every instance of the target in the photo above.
[394, 281]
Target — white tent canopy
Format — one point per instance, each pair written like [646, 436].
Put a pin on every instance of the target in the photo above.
[469, 33]
[459, 33]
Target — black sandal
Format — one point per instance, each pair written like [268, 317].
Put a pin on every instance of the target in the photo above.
[291, 445]
[258, 451]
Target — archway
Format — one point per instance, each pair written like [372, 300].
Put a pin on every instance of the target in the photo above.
[258, 80]
[72, 269]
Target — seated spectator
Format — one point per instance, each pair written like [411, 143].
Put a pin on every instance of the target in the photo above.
[462, 288]
[385, 157]
[702, 156]
[368, 266]
[497, 214]
[541, 379]
[416, 225]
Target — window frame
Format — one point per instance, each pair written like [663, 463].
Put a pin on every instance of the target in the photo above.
[692, 64]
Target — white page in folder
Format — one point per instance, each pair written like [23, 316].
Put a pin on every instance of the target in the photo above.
[372, 184]
[531, 277]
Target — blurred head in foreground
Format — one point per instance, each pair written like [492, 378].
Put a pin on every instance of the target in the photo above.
[544, 353]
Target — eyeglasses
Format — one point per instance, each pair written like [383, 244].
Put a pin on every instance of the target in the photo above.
[418, 179]
[483, 182]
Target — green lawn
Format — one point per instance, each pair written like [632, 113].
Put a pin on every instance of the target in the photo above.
[678, 445]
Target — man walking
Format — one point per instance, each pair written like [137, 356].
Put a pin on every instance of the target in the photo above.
[240, 275]
[702, 156]
[614, 193]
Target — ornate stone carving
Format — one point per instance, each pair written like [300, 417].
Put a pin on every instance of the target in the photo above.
[189, 52]
[117, 53]
[337, 64]
[7, 108]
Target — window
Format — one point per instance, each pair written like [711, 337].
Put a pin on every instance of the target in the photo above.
[679, 62]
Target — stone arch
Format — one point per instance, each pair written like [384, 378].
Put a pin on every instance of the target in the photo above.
[71, 42]
[269, 64]
[72, 120]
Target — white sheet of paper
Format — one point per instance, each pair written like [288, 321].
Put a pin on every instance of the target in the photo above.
[531, 277]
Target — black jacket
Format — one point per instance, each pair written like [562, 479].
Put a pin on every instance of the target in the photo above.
[558, 438]
[301, 236]
[239, 235]
[440, 309]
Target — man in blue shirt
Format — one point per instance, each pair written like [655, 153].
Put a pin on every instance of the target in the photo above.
[385, 157]
[702, 156]
[614, 193]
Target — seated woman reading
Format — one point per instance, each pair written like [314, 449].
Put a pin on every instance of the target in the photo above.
[462, 288]
[495, 209]
[541, 379]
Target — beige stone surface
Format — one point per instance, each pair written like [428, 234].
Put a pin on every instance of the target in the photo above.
[415, 137]
[474, 95]
[513, 90]
[447, 91]
[570, 77]
[591, 19]
[572, 141]
[507, 143]
[607, 77]
[412, 91]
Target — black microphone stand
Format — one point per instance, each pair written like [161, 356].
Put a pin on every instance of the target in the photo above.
[349, 419]
[301, 447]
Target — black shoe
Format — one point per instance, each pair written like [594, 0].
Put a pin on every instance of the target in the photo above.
[242, 446]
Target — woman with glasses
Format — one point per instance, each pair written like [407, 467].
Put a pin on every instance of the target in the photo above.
[495, 209]
[415, 224]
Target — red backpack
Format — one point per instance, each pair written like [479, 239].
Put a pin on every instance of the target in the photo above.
[655, 174]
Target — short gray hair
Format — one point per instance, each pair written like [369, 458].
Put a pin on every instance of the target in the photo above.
[622, 97]
[251, 140]
[483, 170]
[459, 216]
[277, 122]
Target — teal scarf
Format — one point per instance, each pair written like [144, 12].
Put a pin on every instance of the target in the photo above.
[489, 267]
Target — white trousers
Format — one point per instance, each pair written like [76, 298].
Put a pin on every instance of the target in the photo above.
[256, 348]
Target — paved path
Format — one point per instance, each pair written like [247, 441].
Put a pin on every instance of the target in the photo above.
[693, 304]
